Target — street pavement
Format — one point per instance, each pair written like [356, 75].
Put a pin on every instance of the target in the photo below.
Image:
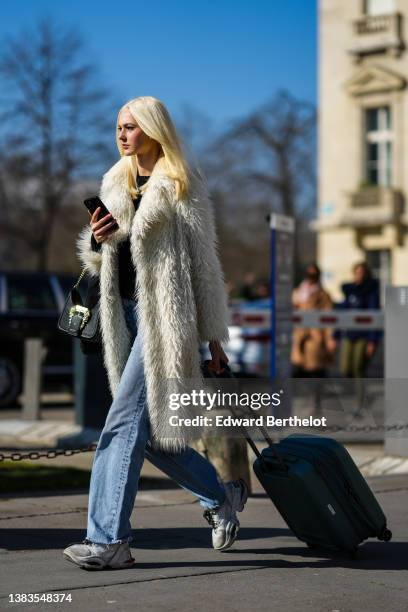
[267, 568]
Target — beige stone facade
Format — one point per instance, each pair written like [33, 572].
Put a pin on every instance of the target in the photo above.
[363, 139]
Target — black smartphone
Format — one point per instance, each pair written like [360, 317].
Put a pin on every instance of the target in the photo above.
[93, 203]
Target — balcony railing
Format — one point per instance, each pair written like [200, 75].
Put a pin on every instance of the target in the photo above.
[378, 33]
[375, 23]
[373, 206]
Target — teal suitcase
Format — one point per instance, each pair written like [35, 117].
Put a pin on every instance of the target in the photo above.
[320, 492]
[318, 489]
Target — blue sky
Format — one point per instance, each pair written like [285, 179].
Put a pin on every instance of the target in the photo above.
[224, 58]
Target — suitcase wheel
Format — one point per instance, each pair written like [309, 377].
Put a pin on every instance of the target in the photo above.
[385, 535]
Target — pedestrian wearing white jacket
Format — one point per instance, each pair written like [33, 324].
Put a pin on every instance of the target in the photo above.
[162, 293]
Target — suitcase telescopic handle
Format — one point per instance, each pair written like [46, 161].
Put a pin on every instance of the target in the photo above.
[267, 439]
[208, 372]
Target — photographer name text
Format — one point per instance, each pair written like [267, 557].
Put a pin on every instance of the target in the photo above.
[259, 421]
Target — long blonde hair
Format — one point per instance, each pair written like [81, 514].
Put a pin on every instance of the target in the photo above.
[154, 119]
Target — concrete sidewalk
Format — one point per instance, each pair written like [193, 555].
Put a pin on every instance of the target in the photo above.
[267, 568]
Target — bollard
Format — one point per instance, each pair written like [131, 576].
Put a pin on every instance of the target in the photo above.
[92, 395]
[34, 354]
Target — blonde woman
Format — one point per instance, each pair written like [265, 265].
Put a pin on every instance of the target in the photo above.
[162, 292]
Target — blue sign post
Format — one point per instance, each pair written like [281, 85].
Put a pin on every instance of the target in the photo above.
[282, 249]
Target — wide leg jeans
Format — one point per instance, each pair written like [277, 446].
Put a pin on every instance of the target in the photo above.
[122, 447]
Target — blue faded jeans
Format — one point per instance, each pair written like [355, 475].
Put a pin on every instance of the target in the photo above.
[122, 447]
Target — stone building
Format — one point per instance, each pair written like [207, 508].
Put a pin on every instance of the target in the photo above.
[363, 140]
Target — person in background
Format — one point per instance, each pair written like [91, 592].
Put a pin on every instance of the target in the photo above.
[358, 346]
[262, 290]
[247, 290]
[232, 291]
[312, 348]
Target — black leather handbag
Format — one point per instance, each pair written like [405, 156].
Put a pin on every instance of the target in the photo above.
[79, 318]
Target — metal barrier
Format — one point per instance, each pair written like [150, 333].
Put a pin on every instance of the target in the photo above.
[259, 319]
[340, 319]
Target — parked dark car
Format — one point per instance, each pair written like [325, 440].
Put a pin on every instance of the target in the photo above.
[30, 304]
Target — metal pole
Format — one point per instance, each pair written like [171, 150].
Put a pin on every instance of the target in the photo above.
[272, 359]
[396, 368]
[282, 230]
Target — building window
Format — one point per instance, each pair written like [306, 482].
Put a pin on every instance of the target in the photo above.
[379, 7]
[378, 146]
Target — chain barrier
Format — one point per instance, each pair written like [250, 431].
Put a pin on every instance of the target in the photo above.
[52, 453]
[365, 428]
[49, 454]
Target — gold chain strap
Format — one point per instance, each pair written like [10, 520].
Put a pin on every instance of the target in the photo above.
[81, 276]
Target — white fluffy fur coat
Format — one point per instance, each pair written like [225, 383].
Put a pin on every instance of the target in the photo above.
[179, 286]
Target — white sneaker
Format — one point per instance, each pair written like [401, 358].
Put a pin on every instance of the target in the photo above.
[91, 556]
[224, 520]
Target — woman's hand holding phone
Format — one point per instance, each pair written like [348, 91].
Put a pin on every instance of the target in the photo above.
[104, 227]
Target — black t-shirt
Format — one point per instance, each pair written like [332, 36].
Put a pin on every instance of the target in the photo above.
[127, 272]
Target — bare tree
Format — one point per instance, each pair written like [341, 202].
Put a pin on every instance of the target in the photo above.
[266, 163]
[197, 130]
[238, 249]
[56, 130]
[274, 147]
[262, 163]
